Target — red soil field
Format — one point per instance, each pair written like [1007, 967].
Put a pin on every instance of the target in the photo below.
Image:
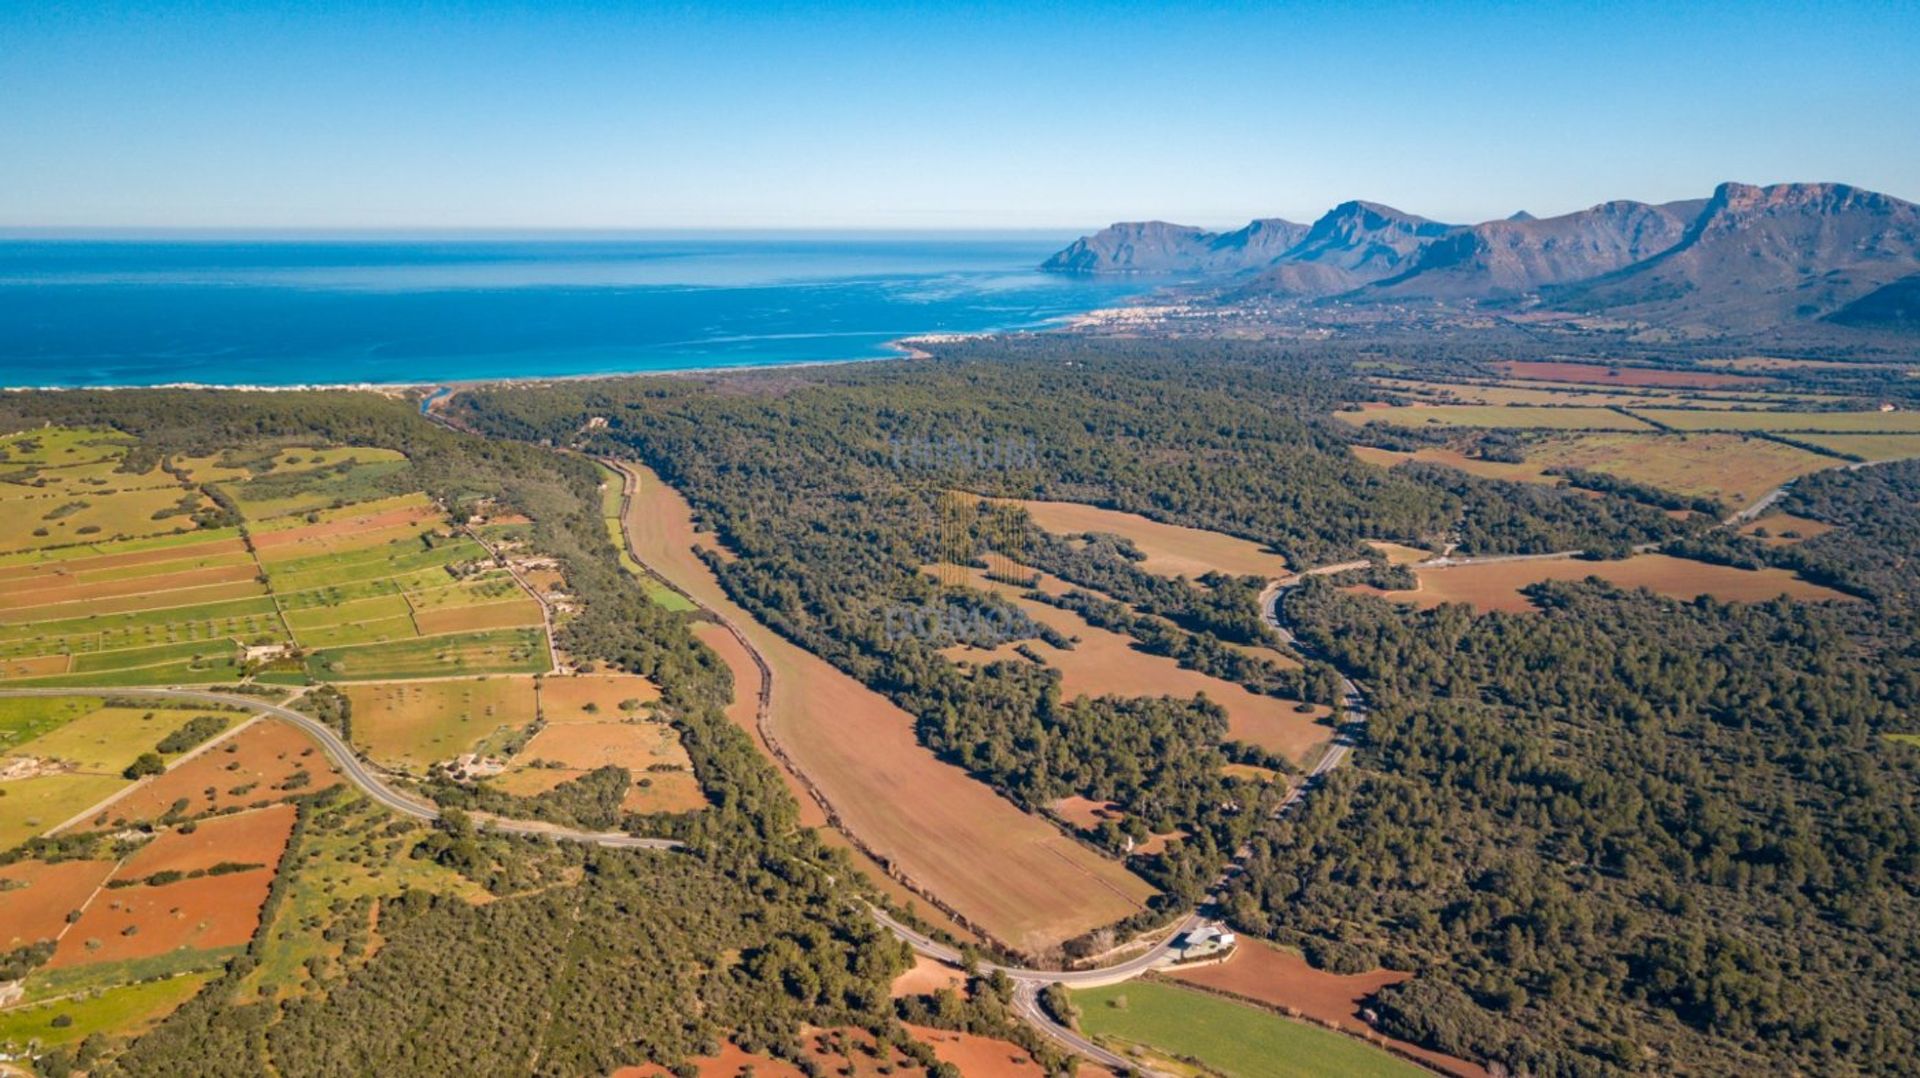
[70, 566]
[37, 910]
[977, 1055]
[1597, 374]
[564, 699]
[1084, 812]
[392, 519]
[257, 838]
[203, 912]
[41, 593]
[200, 914]
[264, 755]
[209, 593]
[1013, 873]
[927, 977]
[876, 873]
[847, 1052]
[1774, 524]
[1278, 978]
[588, 745]
[1496, 585]
[36, 666]
[746, 705]
[1170, 549]
[1105, 663]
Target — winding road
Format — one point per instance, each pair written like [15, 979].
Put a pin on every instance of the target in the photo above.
[359, 773]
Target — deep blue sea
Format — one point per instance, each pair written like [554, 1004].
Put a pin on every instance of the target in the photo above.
[302, 312]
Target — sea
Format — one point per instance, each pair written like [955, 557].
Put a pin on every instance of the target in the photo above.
[347, 311]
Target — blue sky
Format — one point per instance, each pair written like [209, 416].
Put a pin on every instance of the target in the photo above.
[1044, 115]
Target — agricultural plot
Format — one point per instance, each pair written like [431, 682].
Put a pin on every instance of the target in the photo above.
[1733, 469]
[358, 478]
[265, 763]
[25, 718]
[1106, 663]
[237, 466]
[66, 488]
[1170, 549]
[1598, 374]
[136, 612]
[1783, 529]
[1399, 553]
[1874, 447]
[501, 651]
[662, 775]
[1499, 393]
[35, 805]
[610, 494]
[35, 897]
[1515, 416]
[78, 758]
[378, 591]
[418, 723]
[1012, 873]
[1225, 1036]
[59, 445]
[1785, 422]
[202, 906]
[1492, 586]
[127, 1010]
[595, 697]
[1269, 975]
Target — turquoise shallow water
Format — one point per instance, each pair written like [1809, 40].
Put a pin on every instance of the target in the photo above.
[298, 312]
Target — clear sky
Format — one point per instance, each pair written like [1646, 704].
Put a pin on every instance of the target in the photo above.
[553, 114]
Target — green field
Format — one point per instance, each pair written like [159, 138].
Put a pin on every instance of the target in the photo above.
[211, 651]
[242, 618]
[59, 445]
[125, 546]
[610, 514]
[1787, 422]
[25, 718]
[1867, 446]
[36, 804]
[117, 1010]
[502, 651]
[284, 493]
[1232, 1038]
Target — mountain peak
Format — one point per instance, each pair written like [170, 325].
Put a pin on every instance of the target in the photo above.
[1750, 256]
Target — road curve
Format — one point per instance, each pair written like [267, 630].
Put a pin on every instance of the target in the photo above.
[357, 771]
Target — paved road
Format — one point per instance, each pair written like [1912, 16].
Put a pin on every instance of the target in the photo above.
[360, 774]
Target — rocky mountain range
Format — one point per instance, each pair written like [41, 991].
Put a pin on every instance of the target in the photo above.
[1743, 259]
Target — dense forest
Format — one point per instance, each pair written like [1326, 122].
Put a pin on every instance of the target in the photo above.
[1630, 831]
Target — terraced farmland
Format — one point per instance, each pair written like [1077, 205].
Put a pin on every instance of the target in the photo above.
[148, 582]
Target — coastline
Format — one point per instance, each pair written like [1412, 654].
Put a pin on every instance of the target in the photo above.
[904, 348]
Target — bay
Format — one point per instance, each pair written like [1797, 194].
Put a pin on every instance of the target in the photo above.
[324, 311]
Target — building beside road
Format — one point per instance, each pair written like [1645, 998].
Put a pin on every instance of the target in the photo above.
[1205, 942]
